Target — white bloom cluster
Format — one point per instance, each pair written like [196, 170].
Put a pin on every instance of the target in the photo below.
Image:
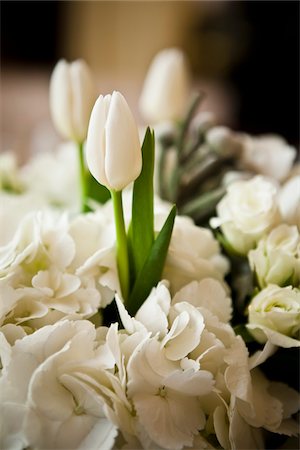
[176, 375]
[255, 221]
[50, 271]
[46, 398]
[193, 254]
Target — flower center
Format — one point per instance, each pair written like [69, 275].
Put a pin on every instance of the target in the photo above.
[78, 410]
[162, 392]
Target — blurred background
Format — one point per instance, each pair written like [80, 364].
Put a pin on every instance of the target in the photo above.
[244, 55]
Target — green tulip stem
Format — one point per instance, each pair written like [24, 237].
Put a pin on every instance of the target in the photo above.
[121, 239]
[82, 178]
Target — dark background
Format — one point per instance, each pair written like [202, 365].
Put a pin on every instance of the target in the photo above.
[264, 39]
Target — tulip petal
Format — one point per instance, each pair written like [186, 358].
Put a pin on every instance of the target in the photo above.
[123, 158]
[61, 98]
[95, 144]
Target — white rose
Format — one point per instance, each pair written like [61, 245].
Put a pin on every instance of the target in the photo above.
[289, 201]
[276, 260]
[46, 398]
[274, 315]
[248, 211]
[268, 155]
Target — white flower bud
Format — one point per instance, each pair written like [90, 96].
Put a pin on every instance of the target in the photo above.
[71, 99]
[113, 150]
[276, 259]
[274, 314]
[166, 87]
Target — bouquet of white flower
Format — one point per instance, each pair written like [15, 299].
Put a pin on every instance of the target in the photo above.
[124, 325]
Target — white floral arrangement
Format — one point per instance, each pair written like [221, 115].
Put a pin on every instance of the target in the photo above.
[127, 322]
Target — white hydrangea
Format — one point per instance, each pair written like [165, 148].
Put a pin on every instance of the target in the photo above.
[54, 176]
[14, 207]
[50, 270]
[194, 254]
[47, 399]
[179, 373]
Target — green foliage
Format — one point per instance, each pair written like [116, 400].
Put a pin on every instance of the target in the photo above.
[142, 225]
[150, 274]
[95, 190]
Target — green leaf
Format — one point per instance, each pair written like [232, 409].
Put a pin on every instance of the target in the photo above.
[95, 190]
[201, 206]
[242, 331]
[151, 272]
[142, 224]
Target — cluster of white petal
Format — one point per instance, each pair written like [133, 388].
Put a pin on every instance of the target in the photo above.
[193, 254]
[178, 375]
[174, 377]
[54, 176]
[49, 180]
[46, 399]
[54, 268]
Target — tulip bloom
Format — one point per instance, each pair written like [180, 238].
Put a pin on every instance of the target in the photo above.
[114, 157]
[71, 99]
[113, 150]
[166, 87]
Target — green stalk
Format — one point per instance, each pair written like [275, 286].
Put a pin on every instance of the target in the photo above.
[121, 243]
[82, 178]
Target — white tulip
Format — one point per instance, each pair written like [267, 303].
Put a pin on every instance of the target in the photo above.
[165, 92]
[71, 99]
[274, 315]
[113, 148]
